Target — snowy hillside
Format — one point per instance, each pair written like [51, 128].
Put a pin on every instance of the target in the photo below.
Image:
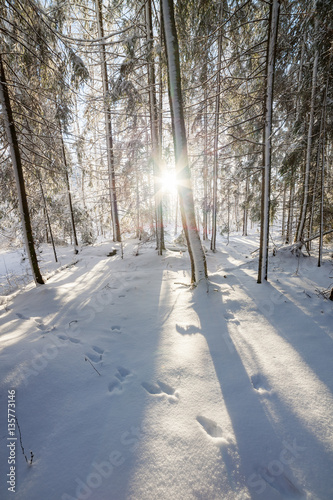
[131, 386]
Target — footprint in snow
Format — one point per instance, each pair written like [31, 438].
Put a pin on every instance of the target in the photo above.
[75, 341]
[151, 388]
[210, 427]
[119, 377]
[260, 383]
[114, 385]
[95, 358]
[122, 373]
[230, 317]
[98, 349]
[161, 388]
[41, 326]
[116, 329]
[21, 316]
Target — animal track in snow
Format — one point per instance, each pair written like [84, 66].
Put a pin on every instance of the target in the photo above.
[231, 318]
[38, 322]
[116, 329]
[166, 388]
[151, 388]
[122, 373]
[120, 376]
[75, 341]
[98, 349]
[161, 388]
[41, 326]
[210, 427]
[94, 357]
[114, 385]
[260, 383]
[21, 316]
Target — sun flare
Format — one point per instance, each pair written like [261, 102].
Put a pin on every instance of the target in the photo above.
[169, 182]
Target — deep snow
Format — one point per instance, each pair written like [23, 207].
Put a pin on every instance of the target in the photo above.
[130, 385]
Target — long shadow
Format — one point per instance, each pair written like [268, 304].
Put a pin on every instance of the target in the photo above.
[108, 425]
[260, 445]
[292, 324]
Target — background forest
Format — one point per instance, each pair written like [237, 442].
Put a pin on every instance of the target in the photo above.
[87, 88]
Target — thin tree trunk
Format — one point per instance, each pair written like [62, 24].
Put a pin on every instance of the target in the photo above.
[245, 213]
[71, 213]
[205, 168]
[322, 176]
[108, 127]
[138, 230]
[154, 121]
[176, 217]
[290, 211]
[228, 215]
[19, 178]
[266, 177]
[48, 219]
[197, 256]
[315, 182]
[216, 135]
[283, 229]
[301, 225]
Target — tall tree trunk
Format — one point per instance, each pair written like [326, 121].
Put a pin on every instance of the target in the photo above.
[299, 234]
[197, 256]
[290, 210]
[47, 218]
[283, 229]
[71, 213]
[137, 189]
[108, 126]
[245, 213]
[205, 166]
[315, 182]
[266, 175]
[19, 178]
[154, 122]
[216, 135]
[322, 176]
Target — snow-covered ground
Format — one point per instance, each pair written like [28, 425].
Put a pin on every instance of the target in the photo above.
[15, 269]
[129, 385]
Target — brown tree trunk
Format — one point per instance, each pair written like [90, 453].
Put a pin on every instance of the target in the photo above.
[19, 178]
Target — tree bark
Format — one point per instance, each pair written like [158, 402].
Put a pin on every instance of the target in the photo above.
[216, 135]
[108, 127]
[48, 219]
[205, 167]
[154, 126]
[19, 178]
[322, 176]
[301, 225]
[245, 213]
[266, 176]
[197, 256]
[71, 213]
